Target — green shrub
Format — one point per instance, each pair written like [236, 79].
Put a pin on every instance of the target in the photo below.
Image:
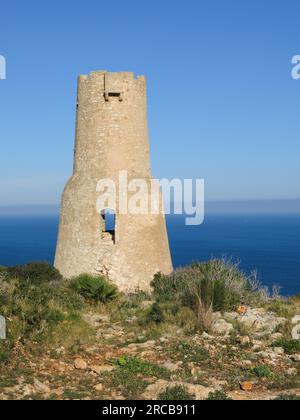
[176, 393]
[94, 288]
[289, 346]
[138, 366]
[155, 314]
[204, 288]
[129, 376]
[218, 396]
[288, 397]
[34, 273]
[262, 371]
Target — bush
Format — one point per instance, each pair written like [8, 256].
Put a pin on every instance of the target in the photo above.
[176, 393]
[289, 346]
[155, 314]
[94, 288]
[288, 397]
[218, 396]
[217, 285]
[34, 273]
[262, 371]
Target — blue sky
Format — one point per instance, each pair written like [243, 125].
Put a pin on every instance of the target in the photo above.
[222, 103]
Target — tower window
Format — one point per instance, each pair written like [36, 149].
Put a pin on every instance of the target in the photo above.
[119, 95]
[109, 224]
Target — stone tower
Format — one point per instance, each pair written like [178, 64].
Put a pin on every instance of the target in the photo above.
[111, 136]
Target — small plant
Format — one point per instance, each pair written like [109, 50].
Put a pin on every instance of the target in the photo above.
[218, 396]
[176, 393]
[35, 273]
[155, 314]
[289, 346]
[130, 373]
[262, 371]
[138, 366]
[288, 397]
[94, 288]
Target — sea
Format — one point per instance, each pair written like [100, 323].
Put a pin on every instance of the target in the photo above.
[266, 243]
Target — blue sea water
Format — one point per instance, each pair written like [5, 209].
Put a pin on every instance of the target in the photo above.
[269, 244]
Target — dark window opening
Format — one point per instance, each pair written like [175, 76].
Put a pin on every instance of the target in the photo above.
[109, 224]
[114, 95]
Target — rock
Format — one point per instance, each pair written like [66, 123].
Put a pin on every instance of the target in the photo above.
[2, 328]
[275, 337]
[80, 364]
[292, 372]
[206, 336]
[154, 390]
[172, 367]
[221, 327]
[103, 369]
[95, 320]
[246, 363]
[256, 347]
[244, 340]
[278, 350]
[40, 387]
[99, 387]
[263, 354]
[247, 386]
[257, 320]
[146, 304]
[59, 392]
[296, 357]
[296, 332]
[296, 319]
[96, 369]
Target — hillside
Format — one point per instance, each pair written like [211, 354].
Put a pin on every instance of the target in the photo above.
[205, 332]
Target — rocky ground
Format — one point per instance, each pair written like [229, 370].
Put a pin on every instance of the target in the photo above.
[246, 356]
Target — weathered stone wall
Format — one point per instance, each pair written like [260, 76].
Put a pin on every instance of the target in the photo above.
[111, 136]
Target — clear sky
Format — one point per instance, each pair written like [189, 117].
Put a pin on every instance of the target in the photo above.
[222, 103]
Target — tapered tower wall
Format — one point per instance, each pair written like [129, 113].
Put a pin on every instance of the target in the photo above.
[111, 136]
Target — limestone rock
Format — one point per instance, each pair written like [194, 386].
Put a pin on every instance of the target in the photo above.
[99, 387]
[292, 372]
[2, 328]
[258, 320]
[154, 390]
[221, 327]
[296, 332]
[172, 367]
[80, 364]
[278, 350]
[296, 319]
[102, 369]
[40, 387]
[95, 320]
[244, 340]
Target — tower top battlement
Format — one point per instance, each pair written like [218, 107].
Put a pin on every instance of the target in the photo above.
[120, 75]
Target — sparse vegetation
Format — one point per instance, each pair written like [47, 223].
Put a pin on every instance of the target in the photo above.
[289, 346]
[35, 273]
[217, 285]
[263, 371]
[288, 397]
[137, 345]
[218, 396]
[176, 393]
